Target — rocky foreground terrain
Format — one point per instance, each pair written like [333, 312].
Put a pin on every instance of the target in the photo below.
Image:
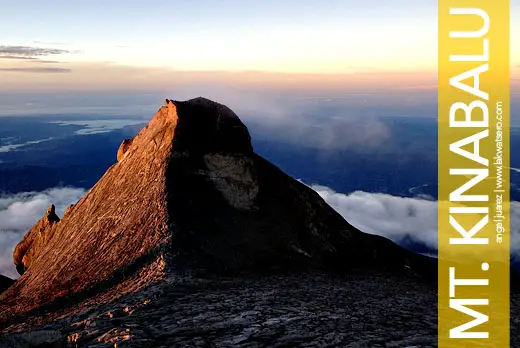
[299, 310]
[193, 240]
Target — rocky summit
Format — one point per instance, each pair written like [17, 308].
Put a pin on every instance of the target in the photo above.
[192, 239]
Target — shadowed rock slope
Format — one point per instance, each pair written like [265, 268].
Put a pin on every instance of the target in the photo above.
[5, 283]
[188, 194]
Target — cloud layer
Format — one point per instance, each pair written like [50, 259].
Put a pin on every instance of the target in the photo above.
[19, 55]
[28, 52]
[315, 123]
[18, 213]
[100, 126]
[37, 70]
[411, 222]
[400, 219]
[11, 147]
[348, 132]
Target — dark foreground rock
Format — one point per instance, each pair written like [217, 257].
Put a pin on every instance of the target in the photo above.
[298, 310]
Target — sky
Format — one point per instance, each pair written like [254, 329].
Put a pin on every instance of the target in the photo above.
[61, 45]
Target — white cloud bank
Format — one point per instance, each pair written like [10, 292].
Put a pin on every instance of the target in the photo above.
[18, 213]
[394, 217]
[10, 147]
[99, 126]
[403, 220]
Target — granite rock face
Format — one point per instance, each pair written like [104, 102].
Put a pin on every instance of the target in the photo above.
[188, 197]
[35, 240]
[125, 145]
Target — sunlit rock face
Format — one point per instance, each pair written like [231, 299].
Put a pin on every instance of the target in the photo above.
[35, 240]
[123, 149]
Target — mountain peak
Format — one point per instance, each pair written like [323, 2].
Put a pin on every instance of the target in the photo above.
[205, 126]
[188, 194]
